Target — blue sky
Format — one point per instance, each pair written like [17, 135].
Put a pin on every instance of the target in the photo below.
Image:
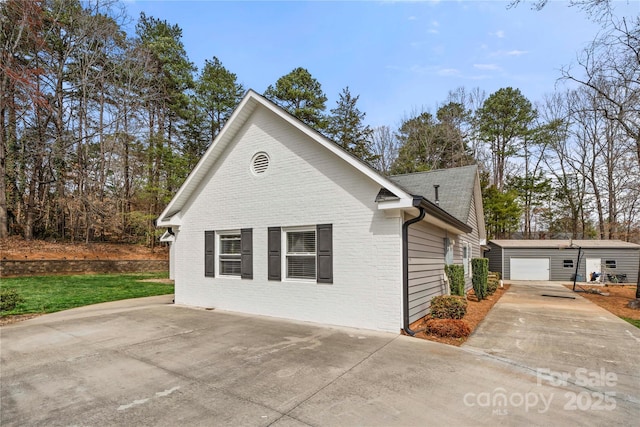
[399, 57]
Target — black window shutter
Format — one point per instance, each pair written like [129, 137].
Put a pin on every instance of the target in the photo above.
[246, 253]
[324, 242]
[274, 254]
[209, 253]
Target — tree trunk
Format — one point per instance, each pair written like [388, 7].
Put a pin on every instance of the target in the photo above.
[638, 284]
[4, 230]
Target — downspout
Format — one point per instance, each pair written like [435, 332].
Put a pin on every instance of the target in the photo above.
[405, 270]
[170, 231]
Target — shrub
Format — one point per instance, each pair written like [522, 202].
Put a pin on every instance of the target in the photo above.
[9, 299]
[454, 328]
[493, 280]
[455, 275]
[492, 287]
[448, 307]
[480, 270]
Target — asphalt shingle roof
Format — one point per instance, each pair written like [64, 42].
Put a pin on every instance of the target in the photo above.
[562, 244]
[455, 193]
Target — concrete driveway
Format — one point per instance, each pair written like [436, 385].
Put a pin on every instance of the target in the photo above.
[149, 362]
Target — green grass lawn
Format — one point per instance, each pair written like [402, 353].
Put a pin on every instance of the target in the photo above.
[48, 294]
[634, 322]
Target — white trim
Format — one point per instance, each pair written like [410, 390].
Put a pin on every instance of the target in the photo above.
[466, 261]
[167, 237]
[285, 251]
[396, 204]
[261, 172]
[218, 252]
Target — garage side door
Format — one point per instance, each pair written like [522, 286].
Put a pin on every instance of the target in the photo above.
[529, 268]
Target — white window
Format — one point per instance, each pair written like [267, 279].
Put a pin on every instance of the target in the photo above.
[229, 253]
[466, 258]
[300, 250]
[448, 250]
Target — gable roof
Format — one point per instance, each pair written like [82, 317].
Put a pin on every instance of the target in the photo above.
[564, 244]
[250, 102]
[455, 192]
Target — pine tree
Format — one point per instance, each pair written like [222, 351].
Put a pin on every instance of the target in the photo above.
[217, 93]
[301, 95]
[347, 129]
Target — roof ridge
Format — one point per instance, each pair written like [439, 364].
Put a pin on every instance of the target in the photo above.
[475, 165]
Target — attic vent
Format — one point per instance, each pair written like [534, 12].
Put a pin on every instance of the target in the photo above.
[259, 163]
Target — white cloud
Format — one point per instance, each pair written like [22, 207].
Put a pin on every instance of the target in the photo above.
[514, 52]
[413, 18]
[448, 72]
[488, 67]
[499, 34]
[433, 31]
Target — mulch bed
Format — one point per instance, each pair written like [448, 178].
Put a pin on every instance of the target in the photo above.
[617, 300]
[476, 312]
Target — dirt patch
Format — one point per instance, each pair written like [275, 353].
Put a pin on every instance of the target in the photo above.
[617, 300]
[476, 312]
[16, 248]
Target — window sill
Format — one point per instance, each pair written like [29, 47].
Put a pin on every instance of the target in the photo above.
[290, 280]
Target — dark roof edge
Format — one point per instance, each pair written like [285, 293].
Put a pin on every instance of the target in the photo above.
[439, 213]
[474, 165]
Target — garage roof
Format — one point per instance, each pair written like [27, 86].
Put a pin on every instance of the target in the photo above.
[564, 244]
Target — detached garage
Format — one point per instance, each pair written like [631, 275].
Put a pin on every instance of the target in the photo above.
[602, 260]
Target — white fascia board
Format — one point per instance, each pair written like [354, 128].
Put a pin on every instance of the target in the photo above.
[173, 221]
[205, 162]
[406, 203]
[477, 195]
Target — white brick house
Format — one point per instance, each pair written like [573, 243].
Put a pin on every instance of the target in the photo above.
[277, 220]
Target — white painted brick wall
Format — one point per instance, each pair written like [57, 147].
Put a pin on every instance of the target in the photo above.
[304, 185]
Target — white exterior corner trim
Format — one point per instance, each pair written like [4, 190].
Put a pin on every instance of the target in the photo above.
[167, 237]
[239, 117]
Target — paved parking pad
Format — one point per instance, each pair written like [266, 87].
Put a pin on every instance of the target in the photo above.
[153, 363]
[546, 326]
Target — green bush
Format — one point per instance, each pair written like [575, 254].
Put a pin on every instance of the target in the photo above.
[480, 271]
[9, 299]
[493, 281]
[448, 307]
[455, 275]
[492, 287]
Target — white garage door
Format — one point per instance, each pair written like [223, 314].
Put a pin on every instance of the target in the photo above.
[529, 268]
